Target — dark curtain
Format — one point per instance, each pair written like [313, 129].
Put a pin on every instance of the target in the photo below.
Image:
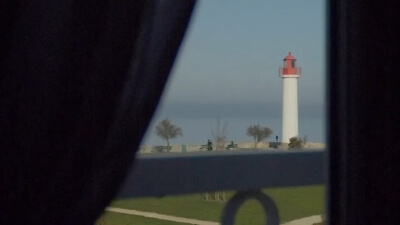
[364, 112]
[80, 81]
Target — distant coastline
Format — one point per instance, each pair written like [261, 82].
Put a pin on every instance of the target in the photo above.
[241, 145]
[196, 131]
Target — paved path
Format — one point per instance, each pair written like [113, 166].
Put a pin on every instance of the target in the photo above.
[304, 221]
[161, 216]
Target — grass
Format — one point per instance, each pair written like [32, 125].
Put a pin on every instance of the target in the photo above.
[293, 203]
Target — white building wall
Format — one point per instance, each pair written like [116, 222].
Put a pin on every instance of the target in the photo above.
[290, 118]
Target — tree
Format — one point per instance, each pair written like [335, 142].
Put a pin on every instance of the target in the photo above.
[219, 134]
[295, 142]
[167, 131]
[258, 133]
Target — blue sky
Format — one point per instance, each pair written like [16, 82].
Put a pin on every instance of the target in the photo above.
[230, 57]
[232, 52]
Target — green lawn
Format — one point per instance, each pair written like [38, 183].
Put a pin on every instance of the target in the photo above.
[293, 203]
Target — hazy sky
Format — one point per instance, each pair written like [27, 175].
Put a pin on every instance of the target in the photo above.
[233, 49]
[230, 57]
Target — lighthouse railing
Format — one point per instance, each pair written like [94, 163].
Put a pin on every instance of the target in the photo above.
[284, 70]
[247, 172]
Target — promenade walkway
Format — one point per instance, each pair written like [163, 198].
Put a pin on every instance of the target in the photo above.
[304, 221]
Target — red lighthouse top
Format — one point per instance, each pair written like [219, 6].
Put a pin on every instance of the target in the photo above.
[289, 57]
[289, 68]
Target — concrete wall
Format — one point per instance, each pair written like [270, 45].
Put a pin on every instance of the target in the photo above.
[241, 145]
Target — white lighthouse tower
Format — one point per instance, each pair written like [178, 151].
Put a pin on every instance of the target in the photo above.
[290, 116]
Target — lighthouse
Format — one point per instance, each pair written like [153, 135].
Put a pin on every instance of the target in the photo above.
[290, 116]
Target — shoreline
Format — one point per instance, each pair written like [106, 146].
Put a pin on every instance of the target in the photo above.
[240, 145]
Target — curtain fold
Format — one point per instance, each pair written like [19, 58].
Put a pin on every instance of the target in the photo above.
[80, 81]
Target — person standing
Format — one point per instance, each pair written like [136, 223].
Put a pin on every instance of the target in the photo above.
[209, 145]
